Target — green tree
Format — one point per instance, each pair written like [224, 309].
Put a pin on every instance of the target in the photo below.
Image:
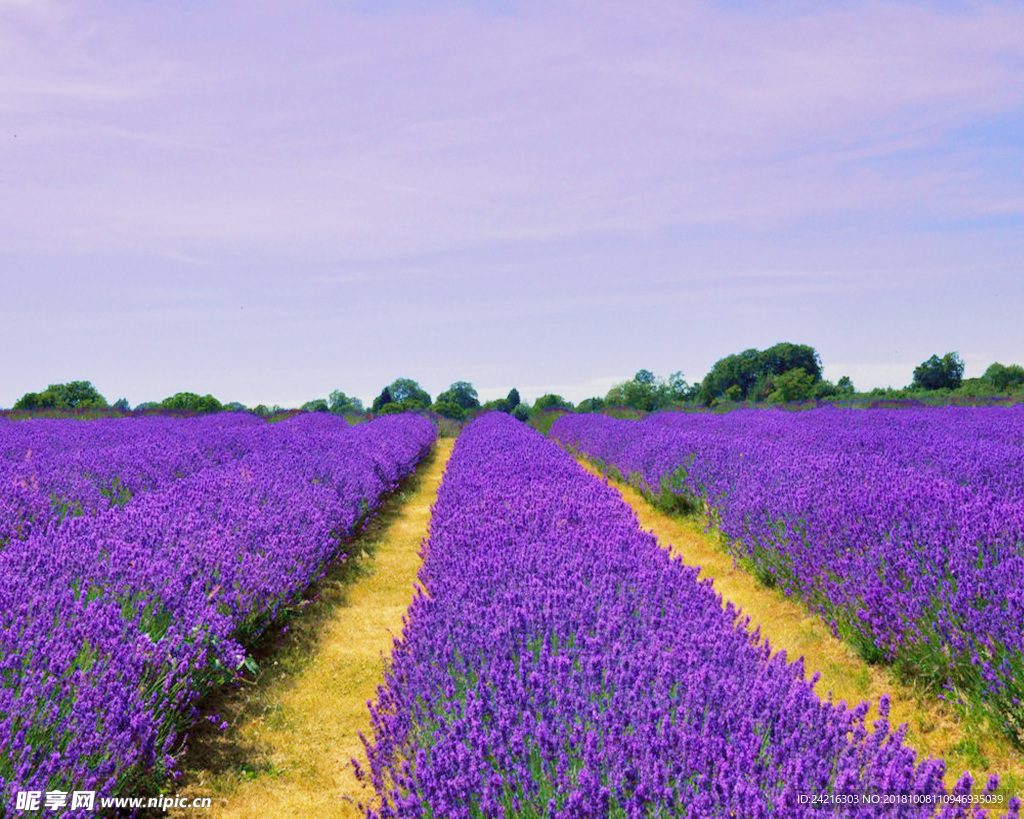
[382, 400]
[70, 396]
[448, 408]
[551, 401]
[647, 393]
[341, 404]
[844, 386]
[409, 393]
[939, 373]
[316, 405]
[590, 405]
[749, 375]
[461, 393]
[191, 402]
[1004, 378]
[512, 399]
[793, 385]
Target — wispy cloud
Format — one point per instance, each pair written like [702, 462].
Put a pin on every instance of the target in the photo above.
[361, 133]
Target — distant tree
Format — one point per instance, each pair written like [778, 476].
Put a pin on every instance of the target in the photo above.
[236, 406]
[392, 408]
[341, 403]
[939, 373]
[590, 405]
[677, 389]
[512, 399]
[449, 408]
[261, 410]
[382, 400]
[409, 393]
[750, 375]
[647, 393]
[844, 386]
[191, 402]
[70, 396]
[1004, 378]
[793, 385]
[122, 405]
[521, 412]
[316, 405]
[551, 401]
[461, 393]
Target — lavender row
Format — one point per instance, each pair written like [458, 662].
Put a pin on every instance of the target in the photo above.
[558, 663]
[50, 469]
[905, 528]
[113, 624]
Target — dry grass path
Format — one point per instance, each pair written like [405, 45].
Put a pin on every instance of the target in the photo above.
[292, 737]
[933, 729]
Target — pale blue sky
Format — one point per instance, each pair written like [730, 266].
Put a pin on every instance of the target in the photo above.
[268, 201]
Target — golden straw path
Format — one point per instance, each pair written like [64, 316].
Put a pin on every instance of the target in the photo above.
[933, 729]
[291, 750]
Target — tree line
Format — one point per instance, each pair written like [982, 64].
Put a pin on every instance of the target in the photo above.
[783, 373]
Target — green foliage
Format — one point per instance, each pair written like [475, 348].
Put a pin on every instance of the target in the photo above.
[844, 386]
[382, 400]
[512, 399]
[191, 402]
[521, 412]
[408, 392]
[590, 405]
[939, 373]
[751, 375]
[647, 393]
[462, 394]
[792, 385]
[341, 404]
[447, 408]
[316, 405]
[122, 405]
[74, 395]
[401, 395]
[551, 401]
[1004, 378]
[236, 406]
[541, 420]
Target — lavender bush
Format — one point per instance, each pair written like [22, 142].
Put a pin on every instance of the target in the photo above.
[905, 528]
[558, 663]
[137, 558]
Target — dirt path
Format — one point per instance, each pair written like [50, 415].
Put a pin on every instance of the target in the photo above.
[933, 729]
[292, 736]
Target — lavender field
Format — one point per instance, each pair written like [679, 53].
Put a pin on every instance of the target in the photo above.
[559, 663]
[139, 558]
[904, 528]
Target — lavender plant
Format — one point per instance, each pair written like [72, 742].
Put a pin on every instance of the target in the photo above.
[904, 528]
[141, 556]
[558, 663]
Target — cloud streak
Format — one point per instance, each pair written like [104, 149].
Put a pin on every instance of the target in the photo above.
[354, 133]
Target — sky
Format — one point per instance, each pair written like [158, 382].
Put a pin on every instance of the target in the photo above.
[269, 201]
